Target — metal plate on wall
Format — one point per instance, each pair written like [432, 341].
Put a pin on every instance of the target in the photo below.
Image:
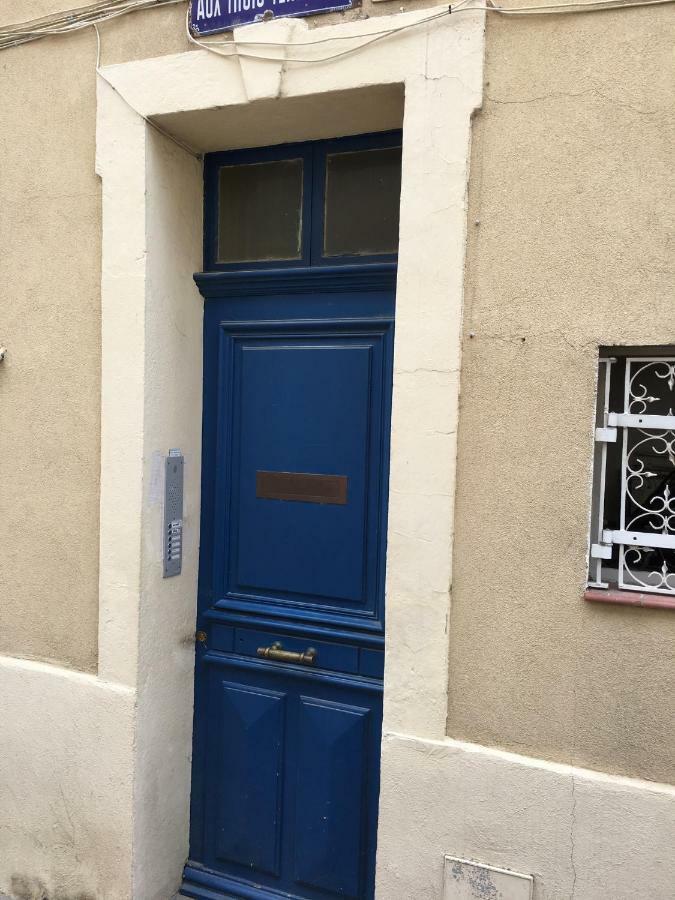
[301, 486]
[173, 515]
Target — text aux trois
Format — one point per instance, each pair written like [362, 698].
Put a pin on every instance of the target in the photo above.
[211, 9]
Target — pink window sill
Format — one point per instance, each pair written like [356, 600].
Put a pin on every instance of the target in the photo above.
[629, 598]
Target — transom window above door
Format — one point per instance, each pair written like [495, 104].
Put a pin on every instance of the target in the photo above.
[323, 203]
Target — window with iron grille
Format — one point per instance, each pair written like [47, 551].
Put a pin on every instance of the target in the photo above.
[633, 516]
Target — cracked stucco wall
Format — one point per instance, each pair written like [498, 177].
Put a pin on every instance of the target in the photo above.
[572, 194]
[50, 321]
[582, 835]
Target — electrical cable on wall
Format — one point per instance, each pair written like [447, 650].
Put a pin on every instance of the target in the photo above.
[95, 13]
[236, 47]
[154, 125]
[104, 10]
[73, 20]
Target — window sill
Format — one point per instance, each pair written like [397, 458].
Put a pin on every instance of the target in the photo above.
[629, 598]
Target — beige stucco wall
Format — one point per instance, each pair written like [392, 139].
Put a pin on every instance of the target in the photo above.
[572, 200]
[49, 382]
[50, 240]
[580, 834]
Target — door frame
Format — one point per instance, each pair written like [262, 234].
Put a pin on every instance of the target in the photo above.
[151, 369]
[365, 306]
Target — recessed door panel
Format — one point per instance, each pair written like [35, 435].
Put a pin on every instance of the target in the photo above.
[311, 416]
[247, 760]
[331, 798]
[303, 419]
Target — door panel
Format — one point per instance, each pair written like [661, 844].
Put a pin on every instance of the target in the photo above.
[292, 776]
[297, 397]
[302, 399]
[331, 797]
[248, 763]
[310, 415]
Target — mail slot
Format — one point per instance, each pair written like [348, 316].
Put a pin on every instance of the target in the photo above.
[301, 486]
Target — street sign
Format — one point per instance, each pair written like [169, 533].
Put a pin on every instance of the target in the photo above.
[211, 16]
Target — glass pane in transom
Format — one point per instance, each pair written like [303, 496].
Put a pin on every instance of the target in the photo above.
[260, 211]
[362, 202]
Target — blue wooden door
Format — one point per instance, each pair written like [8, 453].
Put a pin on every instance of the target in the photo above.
[297, 397]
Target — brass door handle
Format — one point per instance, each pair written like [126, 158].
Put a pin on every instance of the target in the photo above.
[276, 652]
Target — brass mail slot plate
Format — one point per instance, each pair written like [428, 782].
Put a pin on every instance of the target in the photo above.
[301, 486]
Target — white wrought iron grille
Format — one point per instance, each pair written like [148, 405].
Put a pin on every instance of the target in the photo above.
[633, 542]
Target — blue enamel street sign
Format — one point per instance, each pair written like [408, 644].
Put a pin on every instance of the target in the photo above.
[211, 16]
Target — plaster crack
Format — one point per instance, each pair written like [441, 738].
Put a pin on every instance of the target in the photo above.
[175, 325]
[426, 370]
[554, 95]
[635, 109]
[572, 95]
[522, 337]
[412, 537]
[281, 91]
[404, 493]
[68, 829]
[573, 826]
